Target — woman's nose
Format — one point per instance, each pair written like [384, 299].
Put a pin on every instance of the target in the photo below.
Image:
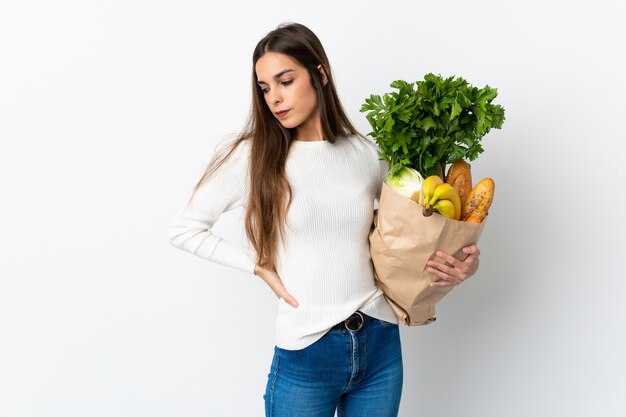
[276, 98]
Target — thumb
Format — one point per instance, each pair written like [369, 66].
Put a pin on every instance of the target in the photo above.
[290, 300]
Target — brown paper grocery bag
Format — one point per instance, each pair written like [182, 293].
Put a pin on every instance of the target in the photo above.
[402, 240]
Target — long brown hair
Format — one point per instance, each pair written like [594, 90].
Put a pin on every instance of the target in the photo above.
[269, 191]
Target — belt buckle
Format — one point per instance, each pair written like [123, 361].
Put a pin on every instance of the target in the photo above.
[345, 323]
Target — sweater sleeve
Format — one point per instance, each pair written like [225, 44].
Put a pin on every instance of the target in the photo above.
[383, 168]
[383, 172]
[225, 190]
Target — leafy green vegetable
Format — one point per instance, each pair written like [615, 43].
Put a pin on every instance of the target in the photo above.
[407, 181]
[438, 123]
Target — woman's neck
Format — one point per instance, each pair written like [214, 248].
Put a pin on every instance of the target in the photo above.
[310, 131]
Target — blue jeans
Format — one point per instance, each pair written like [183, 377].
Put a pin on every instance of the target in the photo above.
[358, 374]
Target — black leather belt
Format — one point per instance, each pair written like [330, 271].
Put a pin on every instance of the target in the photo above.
[354, 322]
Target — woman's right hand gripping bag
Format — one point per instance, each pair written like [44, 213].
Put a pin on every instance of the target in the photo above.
[402, 240]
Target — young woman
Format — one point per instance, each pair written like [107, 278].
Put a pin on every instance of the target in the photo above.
[308, 181]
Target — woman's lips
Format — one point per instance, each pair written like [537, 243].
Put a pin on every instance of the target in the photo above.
[283, 113]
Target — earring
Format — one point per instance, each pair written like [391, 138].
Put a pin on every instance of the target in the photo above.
[325, 79]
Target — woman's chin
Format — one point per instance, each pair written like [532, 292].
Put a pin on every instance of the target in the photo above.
[287, 125]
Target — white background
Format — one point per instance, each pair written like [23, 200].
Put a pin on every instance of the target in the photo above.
[109, 112]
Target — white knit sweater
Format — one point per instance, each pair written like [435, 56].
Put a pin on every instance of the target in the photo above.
[325, 263]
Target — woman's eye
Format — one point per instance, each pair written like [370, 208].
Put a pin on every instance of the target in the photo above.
[264, 90]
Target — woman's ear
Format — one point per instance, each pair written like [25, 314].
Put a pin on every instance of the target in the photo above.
[323, 72]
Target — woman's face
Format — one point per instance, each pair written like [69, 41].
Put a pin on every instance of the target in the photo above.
[286, 85]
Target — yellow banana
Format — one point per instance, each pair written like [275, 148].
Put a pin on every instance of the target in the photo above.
[428, 188]
[445, 208]
[446, 191]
